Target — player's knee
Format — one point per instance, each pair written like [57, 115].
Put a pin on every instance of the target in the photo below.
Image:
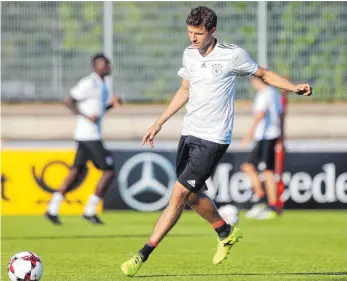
[192, 199]
[179, 197]
[246, 167]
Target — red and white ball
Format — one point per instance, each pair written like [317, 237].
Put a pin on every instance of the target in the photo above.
[25, 266]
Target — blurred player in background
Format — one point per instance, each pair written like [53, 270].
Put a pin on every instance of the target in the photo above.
[209, 72]
[89, 100]
[267, 131]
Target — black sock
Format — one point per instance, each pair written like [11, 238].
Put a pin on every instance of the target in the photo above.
[224, 230]
[262, 200]
[146, 251]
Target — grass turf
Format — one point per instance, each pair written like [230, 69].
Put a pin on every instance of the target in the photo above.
[301, 245]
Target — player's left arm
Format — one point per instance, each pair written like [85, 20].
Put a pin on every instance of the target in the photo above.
[273, 79]
[256, 119]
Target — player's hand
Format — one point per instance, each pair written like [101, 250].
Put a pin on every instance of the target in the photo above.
[303, 89]
[245, 141]
[116, 102]
[151, 133]
[92, 118]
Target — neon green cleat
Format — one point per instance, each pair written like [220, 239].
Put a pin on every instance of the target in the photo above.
[132, 266]
[224, 246]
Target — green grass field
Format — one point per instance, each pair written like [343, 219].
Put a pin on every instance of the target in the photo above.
[302, 245]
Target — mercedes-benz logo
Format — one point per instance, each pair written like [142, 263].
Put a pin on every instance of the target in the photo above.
[146, 182]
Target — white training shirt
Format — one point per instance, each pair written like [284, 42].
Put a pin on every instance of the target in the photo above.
[93, 96]
[268, 101]
[210, 108]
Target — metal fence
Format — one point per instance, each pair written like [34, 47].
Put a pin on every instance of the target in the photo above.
[46, 46]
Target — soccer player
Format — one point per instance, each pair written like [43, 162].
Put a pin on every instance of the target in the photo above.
[209, 73]
[267, 131]
[89, 100]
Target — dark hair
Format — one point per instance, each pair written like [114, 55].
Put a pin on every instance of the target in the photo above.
[202, 16]
[99, 56]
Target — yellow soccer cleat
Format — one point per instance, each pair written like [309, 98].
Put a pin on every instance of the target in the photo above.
[132, 266]
[224, 246]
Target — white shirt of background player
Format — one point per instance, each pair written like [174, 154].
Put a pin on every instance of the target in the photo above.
[93, 96]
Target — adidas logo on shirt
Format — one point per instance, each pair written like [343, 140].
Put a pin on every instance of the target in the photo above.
[203, 65]
[191, 182]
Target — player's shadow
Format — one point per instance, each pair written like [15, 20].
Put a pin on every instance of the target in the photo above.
[342, 273]
[51, 237]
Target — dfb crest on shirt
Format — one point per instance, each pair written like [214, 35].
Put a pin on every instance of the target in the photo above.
[217, 69]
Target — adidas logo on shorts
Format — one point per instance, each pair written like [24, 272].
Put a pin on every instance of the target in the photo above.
[191, 182]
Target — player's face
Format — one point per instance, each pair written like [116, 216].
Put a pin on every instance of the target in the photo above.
[103, 67]
[200, 36]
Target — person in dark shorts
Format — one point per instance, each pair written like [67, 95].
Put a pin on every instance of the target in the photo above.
[196, 160]
[209, 73]
[89, 100]
[267, 131]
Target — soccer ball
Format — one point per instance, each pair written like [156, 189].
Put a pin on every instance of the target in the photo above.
[230, 214]
[25, 266]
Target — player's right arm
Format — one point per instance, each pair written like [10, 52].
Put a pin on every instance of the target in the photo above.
[178, 101]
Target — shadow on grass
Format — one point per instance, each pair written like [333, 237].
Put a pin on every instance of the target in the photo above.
[98, 236]
[247, 274]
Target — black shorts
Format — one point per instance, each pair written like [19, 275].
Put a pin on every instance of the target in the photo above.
[94, 151]
[263, 155]
[196, 160]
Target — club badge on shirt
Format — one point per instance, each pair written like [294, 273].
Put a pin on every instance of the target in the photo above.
[217, 70]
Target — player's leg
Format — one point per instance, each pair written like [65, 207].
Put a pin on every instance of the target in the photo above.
[268, 160]
[208, 155]
[201, 161]
[168, 217]
[250, 169]
[227, 234]
[271, 187]
[205, 207]
[177, 200]
[252, 173]
[79, 165]
[166, 221]
[102, 159]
